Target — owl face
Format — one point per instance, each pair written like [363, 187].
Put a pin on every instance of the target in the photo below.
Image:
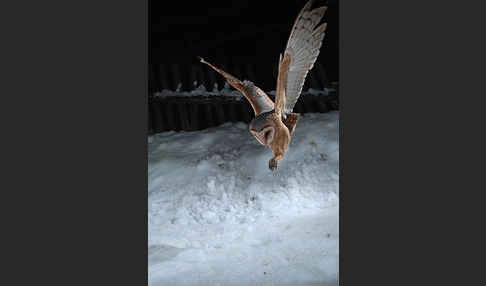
[265, 135]
[263, 127]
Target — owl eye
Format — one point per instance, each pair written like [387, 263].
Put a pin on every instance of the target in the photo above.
[268, 134]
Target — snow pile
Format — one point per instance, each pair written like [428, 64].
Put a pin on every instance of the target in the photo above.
[219, 216]
[201, 91]
[225, 91]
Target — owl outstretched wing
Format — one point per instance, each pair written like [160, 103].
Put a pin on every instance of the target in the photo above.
[301, 51]
[258, 99]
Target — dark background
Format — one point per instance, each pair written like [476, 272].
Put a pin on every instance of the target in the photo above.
[230, 33]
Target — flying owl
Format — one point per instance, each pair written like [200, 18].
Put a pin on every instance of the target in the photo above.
[274, 123]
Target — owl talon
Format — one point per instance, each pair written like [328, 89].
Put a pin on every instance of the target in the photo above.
[272, 164]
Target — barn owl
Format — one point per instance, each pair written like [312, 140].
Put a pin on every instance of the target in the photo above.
[274, 123]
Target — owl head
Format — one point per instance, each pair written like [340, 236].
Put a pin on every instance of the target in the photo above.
[264, 136]
[263, 128]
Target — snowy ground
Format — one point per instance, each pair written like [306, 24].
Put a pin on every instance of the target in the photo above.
[219, 216]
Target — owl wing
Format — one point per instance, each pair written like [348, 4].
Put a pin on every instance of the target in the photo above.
[302, 49]
[282, 78]
[259, 100]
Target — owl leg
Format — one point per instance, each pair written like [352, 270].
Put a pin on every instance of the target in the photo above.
[291, 120]
[272, 164]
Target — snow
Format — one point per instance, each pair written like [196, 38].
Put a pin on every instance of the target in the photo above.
[226, 91]
[218, 216]
[201, 91]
